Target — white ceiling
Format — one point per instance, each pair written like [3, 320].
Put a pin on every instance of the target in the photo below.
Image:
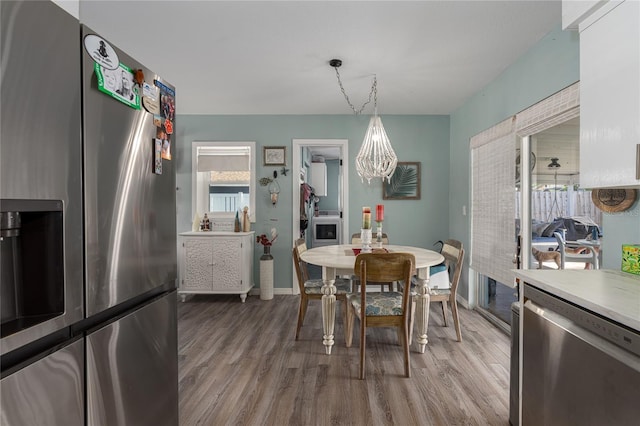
[271, 57]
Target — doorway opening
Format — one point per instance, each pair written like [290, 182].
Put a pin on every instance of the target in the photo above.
[321, 170]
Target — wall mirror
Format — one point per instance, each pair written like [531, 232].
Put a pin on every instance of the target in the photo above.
[223, 176]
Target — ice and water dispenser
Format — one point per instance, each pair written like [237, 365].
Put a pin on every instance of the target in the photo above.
[31, 263]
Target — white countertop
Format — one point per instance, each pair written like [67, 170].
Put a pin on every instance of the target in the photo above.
[213, 233]
[612, 294]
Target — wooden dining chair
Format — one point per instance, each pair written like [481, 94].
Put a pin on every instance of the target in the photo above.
[453, 253]
[311, 289]
[356, 240]
[381, 309]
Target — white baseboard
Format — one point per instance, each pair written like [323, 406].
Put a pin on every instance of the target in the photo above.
[276, 291]
[461, 300]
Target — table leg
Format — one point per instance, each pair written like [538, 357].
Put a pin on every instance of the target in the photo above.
[328, 307]
[422, 312]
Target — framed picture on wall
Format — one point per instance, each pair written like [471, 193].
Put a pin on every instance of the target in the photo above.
[274, 156]
[404, 184]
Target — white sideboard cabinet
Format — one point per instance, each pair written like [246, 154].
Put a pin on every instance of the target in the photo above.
[215, 263]
[610, 96]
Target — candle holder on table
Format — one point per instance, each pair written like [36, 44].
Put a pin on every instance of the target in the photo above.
[379, 235]
[365, 238]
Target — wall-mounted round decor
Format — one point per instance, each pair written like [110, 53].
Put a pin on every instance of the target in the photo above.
[613, 200]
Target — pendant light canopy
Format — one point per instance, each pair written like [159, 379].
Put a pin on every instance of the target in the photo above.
[376, 158]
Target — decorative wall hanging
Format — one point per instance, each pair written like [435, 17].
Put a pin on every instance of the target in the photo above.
[404, 183]
[274, 188]
[274, 156]
[613, 200]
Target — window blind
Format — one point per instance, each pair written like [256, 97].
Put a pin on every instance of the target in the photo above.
[223, 163]
[493, 241]
[557, 108]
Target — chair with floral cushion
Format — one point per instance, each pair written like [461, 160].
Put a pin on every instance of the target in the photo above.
[453, 253]
[311, 289]
[381, 309]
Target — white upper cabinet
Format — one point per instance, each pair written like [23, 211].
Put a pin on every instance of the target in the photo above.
[319, 178]
[610, 97]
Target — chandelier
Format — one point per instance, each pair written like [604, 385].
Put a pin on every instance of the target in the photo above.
[376, 158]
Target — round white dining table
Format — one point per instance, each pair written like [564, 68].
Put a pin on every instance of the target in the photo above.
[340, 260]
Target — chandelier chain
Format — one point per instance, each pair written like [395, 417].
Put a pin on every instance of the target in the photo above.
[373, 92]
[376, 158]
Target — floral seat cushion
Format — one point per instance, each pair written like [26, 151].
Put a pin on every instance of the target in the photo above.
[343, 285]
[379, 304]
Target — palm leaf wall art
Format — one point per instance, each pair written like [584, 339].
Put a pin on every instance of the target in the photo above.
[404, 184]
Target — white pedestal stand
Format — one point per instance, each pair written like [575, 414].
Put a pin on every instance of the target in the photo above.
[266, 275]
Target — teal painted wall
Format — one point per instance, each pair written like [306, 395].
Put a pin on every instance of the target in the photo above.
[618, 229]
[551, 65]
[440, 143]
[415, 138]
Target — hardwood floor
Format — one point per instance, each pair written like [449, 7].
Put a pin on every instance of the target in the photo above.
[240, 365]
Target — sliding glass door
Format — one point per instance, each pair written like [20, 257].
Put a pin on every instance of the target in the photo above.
[547, 198]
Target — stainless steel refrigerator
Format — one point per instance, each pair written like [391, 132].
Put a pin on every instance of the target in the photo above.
[89, 325]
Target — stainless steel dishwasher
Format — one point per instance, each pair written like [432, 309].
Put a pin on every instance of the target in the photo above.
[578, 367]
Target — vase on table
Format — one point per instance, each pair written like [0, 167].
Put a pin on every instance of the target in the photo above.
[266, 274]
